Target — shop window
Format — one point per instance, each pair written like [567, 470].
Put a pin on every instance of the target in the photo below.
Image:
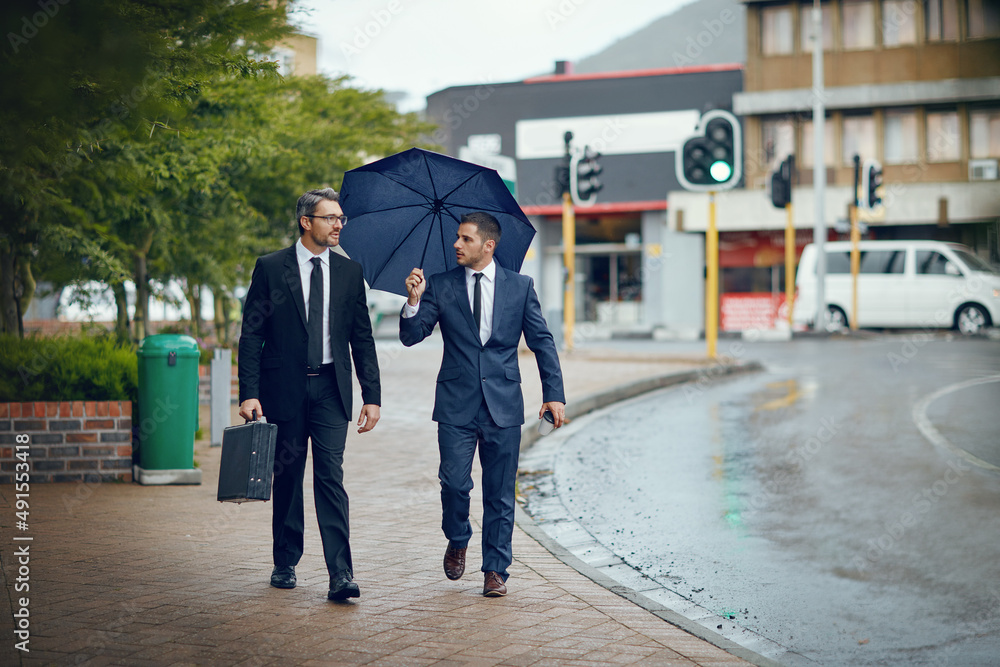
[805, 21]
[776, 30]
[943, 136]
[984, 18]
[899, 22]
[984, 133]
[858, 138]
[858, 24]
[806, 150]
[942, 20]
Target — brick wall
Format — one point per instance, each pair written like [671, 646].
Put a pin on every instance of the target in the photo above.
[69, 440]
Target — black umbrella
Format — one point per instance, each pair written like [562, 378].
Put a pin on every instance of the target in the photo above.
[404, 210]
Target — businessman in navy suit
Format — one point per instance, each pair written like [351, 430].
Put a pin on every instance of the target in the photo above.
[483, 310]
[305, 317]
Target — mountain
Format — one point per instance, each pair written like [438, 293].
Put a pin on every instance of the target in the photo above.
[705, 32]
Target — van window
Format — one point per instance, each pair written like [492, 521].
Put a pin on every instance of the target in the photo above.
[883, 261]
[932, 263]
[872, 261]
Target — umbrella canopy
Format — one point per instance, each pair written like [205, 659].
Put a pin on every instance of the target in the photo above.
[404, 210]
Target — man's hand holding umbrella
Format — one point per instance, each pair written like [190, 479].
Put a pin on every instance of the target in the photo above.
[415, 286]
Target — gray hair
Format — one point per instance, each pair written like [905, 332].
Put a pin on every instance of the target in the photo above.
[307, 204]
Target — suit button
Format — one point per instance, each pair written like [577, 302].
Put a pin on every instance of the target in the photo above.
[484, 379]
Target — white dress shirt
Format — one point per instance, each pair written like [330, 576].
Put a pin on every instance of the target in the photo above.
[304, 257]
[487, 288]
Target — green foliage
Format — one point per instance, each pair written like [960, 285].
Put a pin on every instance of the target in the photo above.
[67, 368]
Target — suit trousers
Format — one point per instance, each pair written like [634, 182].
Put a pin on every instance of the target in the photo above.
[322, 420]
[498, 453]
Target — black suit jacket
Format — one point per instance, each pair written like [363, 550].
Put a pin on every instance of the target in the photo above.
[272, 351]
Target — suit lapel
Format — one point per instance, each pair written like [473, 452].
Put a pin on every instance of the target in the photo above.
[336, 287]
[294, 281]
[499, 297]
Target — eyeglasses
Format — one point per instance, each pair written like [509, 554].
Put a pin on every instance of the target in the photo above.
[330, 219]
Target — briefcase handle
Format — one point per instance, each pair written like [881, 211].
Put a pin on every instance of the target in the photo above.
[262, 420]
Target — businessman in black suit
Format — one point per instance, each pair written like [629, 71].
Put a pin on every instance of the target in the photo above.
[305, 307]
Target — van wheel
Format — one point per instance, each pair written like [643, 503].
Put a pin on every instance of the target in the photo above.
[836, 320]
[971, 319]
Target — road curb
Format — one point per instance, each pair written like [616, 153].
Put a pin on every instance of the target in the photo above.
[578, 408]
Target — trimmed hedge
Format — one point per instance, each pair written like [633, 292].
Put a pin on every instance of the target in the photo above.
[67, 368]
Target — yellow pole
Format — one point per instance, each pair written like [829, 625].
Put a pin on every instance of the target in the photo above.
[711, 279]
[789, 263]
[855, 265]
[569, 261]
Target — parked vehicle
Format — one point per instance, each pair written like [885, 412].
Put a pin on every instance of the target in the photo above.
[901, 284]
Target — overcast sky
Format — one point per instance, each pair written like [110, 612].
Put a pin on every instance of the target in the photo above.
[422, 46]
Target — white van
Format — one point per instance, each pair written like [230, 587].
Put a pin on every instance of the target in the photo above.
[901, 284]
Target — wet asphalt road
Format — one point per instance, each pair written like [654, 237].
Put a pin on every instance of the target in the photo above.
[842, 507]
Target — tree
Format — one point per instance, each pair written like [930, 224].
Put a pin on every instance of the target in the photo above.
[79, 76]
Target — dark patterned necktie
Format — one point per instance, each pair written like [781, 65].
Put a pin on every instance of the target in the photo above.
[477, 302]
[314, 324]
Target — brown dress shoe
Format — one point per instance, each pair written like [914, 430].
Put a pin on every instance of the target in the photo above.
[454, 562]
[494, 586]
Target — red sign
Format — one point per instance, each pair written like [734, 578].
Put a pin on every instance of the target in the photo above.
[744, 312]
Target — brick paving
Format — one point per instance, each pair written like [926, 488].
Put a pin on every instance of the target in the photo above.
[122, 574]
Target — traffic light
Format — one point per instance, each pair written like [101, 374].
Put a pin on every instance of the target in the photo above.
[583, 174]
[712, 158]
[871, 184]
[781, 183]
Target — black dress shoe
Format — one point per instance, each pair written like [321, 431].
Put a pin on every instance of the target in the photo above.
[283, 576]
[341, 587]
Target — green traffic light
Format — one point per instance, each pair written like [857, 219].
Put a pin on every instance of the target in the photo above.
[720, 171]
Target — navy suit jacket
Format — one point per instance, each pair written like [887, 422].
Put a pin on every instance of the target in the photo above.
[273, 342]
[470, 369]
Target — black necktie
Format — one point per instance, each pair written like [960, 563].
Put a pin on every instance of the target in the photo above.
[477, 301]
[314, 324]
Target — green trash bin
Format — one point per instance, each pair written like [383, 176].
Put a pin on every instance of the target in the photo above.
[168, 410]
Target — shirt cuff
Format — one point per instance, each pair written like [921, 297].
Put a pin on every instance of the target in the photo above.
[409, 311]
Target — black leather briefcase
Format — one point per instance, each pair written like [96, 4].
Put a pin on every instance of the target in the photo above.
[247, 462]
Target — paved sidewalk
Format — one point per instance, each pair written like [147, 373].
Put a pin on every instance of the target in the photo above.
[144, 575]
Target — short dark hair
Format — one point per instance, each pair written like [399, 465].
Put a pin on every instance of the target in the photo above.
[307, 204]
[489, 228]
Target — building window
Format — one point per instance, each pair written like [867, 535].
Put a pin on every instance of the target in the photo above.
[943, 136]
[778, 139]
[901, 138]
[984, 18]
[899, 22]
[858, 24]
[984, 133]
[858, 138]
[806, 19]
[942, 20]
[776, 30]
[806, 151]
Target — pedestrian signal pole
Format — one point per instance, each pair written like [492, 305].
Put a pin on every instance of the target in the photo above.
[781, 197]
[569, 260]
[855, 250]
[708, 161]
[711, 279]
